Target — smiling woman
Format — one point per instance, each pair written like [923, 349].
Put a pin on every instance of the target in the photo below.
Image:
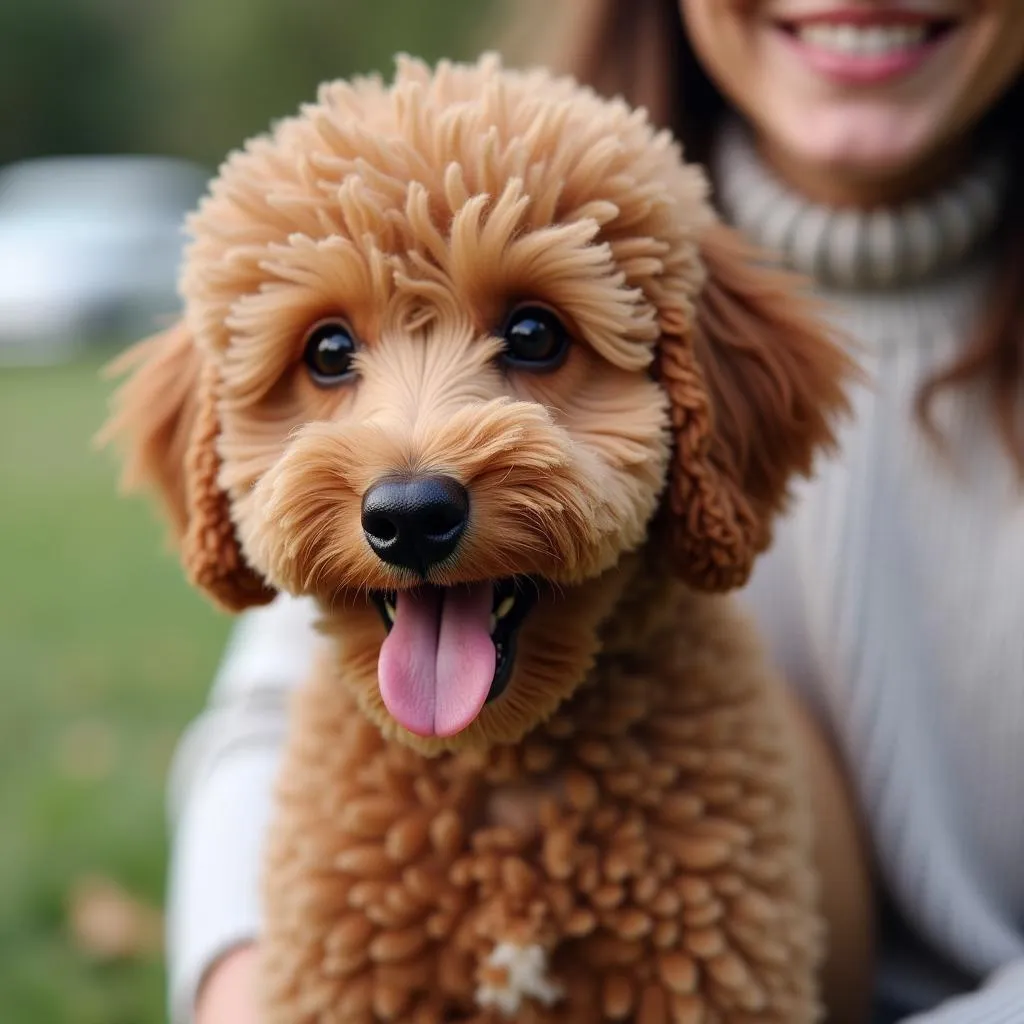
[877, 146]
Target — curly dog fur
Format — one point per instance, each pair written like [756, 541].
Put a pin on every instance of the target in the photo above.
[623, 833]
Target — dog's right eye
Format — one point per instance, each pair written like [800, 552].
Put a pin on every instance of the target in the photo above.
[535, 339]
[330, 349]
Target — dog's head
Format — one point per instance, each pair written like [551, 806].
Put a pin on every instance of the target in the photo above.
[448, 347]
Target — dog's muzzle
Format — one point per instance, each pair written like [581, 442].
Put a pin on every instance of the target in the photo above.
[448, 650]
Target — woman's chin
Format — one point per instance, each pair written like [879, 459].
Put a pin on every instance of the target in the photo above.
[858, 154]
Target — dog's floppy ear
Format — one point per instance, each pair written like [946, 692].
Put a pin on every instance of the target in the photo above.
[754, 382]
[165, 418]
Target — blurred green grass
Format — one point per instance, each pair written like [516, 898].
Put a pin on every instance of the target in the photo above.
[105, 653]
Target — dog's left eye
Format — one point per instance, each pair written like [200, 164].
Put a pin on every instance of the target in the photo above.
[535, 339]
[329, 352]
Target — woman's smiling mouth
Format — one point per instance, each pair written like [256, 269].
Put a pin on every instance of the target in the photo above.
[862, 46]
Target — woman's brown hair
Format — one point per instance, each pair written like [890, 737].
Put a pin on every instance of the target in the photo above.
[639, 50]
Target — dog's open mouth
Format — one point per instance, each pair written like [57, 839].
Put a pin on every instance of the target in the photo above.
[449, 650]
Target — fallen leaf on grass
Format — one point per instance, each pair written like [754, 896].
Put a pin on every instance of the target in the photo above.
[108, 923]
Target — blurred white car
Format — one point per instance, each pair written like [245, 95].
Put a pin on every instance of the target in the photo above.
[89, 250]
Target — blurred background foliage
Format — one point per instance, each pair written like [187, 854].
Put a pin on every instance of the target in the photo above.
[106, 653]
[193, 78]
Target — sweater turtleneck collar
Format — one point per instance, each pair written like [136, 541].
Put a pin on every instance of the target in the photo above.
[849, 249]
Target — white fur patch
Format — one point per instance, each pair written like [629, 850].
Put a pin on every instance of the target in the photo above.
[526, 968]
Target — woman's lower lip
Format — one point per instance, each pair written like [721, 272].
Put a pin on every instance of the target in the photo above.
[862, 68]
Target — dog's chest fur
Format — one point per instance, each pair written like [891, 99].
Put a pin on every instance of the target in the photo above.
[632, 859]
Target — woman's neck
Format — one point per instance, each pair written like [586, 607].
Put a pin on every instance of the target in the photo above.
[845, 187]
[907, 236]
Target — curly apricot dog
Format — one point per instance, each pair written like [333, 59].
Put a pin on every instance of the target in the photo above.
[468, 359]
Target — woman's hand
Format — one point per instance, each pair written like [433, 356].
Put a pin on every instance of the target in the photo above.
[228, 995]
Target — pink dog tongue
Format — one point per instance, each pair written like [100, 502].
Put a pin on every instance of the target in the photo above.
[437, 663]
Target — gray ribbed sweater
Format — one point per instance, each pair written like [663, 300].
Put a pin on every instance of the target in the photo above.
[894, 593]
[894, 598]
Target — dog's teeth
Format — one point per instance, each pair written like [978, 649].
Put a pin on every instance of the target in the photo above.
[389, 608]
[505, 607]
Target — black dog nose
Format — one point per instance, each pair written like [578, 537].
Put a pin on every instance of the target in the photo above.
[415, 522]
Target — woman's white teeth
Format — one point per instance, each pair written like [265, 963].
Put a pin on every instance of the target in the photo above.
[863, 40]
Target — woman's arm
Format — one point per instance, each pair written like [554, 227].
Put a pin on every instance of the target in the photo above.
[229, 993]
[221, 791]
